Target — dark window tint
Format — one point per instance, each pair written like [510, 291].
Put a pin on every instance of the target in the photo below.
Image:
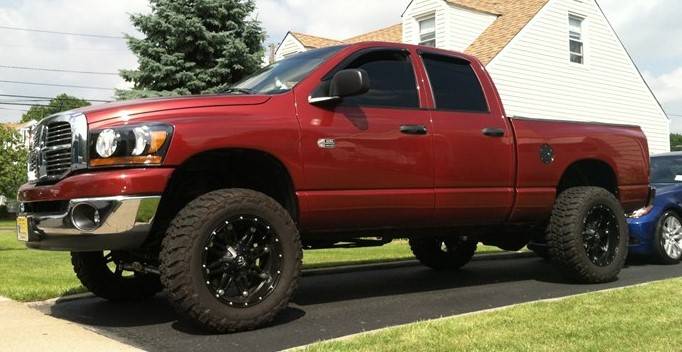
[391, 77]
[454, 84]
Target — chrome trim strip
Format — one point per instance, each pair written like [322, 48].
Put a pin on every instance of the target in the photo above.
[119, 215]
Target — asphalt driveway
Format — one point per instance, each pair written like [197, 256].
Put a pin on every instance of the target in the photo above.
[341, 303]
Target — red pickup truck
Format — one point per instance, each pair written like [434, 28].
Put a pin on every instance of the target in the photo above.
[215, 197]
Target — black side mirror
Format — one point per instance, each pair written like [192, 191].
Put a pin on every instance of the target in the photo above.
[349, 82]
[345, 83]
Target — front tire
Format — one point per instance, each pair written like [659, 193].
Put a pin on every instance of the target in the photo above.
[587, 237]
[668, 239]
[443, 254]
[103, 275]
[231, 260]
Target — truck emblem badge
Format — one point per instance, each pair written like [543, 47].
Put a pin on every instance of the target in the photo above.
[546, 154]
[326, 143]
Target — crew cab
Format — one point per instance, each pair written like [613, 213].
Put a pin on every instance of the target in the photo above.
[213, 198]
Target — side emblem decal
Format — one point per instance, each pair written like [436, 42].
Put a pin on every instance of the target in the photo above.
[546, 154]
[326, 143]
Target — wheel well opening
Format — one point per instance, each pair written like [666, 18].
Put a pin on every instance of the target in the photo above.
[214, 170]
[589, 173]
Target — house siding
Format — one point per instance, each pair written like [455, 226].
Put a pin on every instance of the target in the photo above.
[424, 8]
[464, 26]
[456, 27]
[535, 78]
[290, 45]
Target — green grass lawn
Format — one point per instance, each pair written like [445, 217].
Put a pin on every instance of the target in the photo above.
[7, 224]
[29, 275]
[642, 318]
[394, 251]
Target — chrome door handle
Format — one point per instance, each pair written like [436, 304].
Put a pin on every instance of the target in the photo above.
[419, 130]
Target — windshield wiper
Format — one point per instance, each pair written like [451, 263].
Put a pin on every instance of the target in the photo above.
[232, 90]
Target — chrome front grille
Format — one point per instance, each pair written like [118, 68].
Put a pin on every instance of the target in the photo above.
[58, 140]
[58, 133]
[58, 147]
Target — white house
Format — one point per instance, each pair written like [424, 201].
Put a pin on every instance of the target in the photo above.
[551, 59]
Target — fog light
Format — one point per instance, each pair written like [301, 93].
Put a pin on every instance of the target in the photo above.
[85, 217]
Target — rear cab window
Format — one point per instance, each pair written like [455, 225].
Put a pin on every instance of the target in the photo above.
[454, 84]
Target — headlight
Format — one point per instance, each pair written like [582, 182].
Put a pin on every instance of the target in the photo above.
[130, 145]
[107, 142]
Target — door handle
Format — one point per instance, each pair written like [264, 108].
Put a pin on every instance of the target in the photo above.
[414, 129]
[493, 132]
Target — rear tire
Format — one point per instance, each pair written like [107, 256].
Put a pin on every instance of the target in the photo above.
[443, 254]
[231, 260]
[588, 235]
[668, 238]
[93, 271]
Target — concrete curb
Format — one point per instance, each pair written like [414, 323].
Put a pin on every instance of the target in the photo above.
[63, 299]
[484, 311]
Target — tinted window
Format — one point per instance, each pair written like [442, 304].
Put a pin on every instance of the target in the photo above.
[666, 169]
[391, 77]
[454, 84]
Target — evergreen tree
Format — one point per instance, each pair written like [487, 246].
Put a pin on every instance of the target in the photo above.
[193, 46]
[62, 102]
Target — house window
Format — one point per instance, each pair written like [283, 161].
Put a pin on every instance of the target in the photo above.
[427, 31]
[575, 34]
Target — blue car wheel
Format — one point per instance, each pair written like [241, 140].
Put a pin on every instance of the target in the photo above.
[668, 238]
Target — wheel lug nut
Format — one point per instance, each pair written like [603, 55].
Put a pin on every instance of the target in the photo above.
[245, 293]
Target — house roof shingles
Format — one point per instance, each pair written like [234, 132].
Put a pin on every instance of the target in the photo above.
[392, 34]
[512, 17]
[311, 41]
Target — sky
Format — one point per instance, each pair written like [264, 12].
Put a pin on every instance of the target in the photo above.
[650, 29]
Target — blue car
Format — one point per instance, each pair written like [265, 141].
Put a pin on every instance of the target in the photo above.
[657, 230]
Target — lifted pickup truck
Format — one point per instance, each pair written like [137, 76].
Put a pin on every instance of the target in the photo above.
[215, 197]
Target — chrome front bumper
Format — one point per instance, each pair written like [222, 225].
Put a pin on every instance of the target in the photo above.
[121, 223]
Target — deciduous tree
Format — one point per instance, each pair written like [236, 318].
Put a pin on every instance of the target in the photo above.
[62, 102]
[12, 162]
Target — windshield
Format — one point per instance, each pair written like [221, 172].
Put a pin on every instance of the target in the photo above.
[666, 169]
[285, 74]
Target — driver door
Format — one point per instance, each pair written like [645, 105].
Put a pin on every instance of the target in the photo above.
[368, 160]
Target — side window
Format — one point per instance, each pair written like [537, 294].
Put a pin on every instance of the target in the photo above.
[454, 84]
[392, 81]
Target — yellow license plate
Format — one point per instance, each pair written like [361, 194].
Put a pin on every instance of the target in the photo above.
[22, 228]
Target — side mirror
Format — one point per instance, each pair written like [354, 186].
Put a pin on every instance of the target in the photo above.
[345, 83]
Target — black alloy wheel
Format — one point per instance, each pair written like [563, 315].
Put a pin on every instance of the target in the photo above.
[242, 261]
[601, 235]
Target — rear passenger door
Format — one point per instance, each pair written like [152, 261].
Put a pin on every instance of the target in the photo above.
[473, 144]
